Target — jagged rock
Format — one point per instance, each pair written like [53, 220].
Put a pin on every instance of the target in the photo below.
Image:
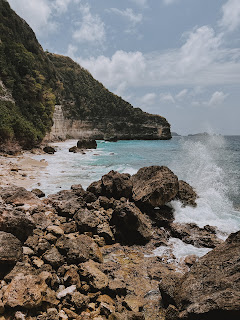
[71, 277]
[17, 223]
[162, 216]
[74, 149]
[79, 300]
[39, 193]
[87, 144]
[95, 188]
[172, 313]
[211, 289]
[79, 249]
[25, 291]
[86, 220]
[10, 249]
[116, 185]
[19, 196]
[154, 186]
[95, 277]
[53, 257]
[104, 230]
[190, 233]
[131, 226]
[186, 194]
[49, 150]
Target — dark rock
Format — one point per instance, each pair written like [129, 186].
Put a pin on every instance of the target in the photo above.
[190, 233]
[17, 223]
[162, 216]
[74, 149]
[104, 230]
[49, 150]
[154, 186]
[131, 226]
[211, 290]
[87, 144]
[53, 257]
[86, 220]
[39, 193]
[10, 249]
[116, 185]
[19, 196]
[95, 188]
[186, 194]
[79, 249]
[105, 202]
[95, 277]
[172, 313]
[111, 138]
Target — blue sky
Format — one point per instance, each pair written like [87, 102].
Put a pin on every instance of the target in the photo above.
[176, 58]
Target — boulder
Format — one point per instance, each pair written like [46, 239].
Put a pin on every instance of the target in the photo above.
[211, 290]
[39, 193]
[87, 144]
[10, 249]
[116, 185]
[93, 275]
[25, 291]
[79, 249]
[53, 257]
[19, 196]
[17, 223]
[131, 226]
[49, 150]
[162, 216]
[154, 186]
[186, 194]
[86, 220]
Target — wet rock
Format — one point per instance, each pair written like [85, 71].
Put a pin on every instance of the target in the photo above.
[17, 223]
[87, 144]
[95, 277]
[74, 149]
[116, 185]
[186, 194]
[162, 216]
[10, 249]
[211, 290]
[131, 226]
[39, 193]
[49, 150]
[79, 249]
[25, 291]
[53, 257]
[19, 196]
[95, 188]
[86, 220]
[154, 186]
[190, 233]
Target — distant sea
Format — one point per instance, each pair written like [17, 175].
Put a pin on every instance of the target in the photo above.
[211, 164]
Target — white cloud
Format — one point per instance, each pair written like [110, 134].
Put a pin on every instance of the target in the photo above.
[167, 97]
[128, 13]
[91, 28]
[148, 99]
[199, 62]
[217, 99]
[231, 15]
[181, 94]
[167, 2]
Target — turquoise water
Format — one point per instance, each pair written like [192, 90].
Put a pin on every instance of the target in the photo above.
[210, 164]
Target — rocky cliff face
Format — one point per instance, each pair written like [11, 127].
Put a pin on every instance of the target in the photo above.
[65, 127]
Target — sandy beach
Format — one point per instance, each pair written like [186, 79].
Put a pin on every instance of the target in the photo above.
[21, 170]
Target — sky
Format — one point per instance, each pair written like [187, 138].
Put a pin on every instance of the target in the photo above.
[176, 58]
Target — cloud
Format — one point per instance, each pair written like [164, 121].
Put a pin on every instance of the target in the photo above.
[181, 94]
[128, 13]
[141, 3]
[217, 99]
[231, 15]
[167, 97]
[167, 2]
[200, 61]
[148, 99]
[91, 28]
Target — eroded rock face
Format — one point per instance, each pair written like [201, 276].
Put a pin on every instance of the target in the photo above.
[154, 186]
[19, 196]
[186, 194]
[211, 290]
[116, 185]
[131, 226]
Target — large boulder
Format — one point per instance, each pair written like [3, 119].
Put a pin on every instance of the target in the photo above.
[86, 220]
[19, 196]
[10, 249]
[186, 194]
[93, 275]
[87, 144]
[154, 186]
[79, 249]
[131, 226]
[211, 290]
[17, 223]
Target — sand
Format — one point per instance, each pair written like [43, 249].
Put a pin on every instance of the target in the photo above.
[21, 170]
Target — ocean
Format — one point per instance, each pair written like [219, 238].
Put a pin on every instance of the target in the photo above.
[211, 164]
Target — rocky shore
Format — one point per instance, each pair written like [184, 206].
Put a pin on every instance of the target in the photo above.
[89, 254]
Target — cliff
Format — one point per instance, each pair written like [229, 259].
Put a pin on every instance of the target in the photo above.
[54, 97]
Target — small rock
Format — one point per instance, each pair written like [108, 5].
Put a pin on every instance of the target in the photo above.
[49, 150]
[39, 193]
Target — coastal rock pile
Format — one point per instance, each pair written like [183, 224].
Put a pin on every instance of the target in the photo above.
[87, 254]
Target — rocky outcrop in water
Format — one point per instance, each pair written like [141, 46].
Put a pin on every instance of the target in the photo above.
[88, 254]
